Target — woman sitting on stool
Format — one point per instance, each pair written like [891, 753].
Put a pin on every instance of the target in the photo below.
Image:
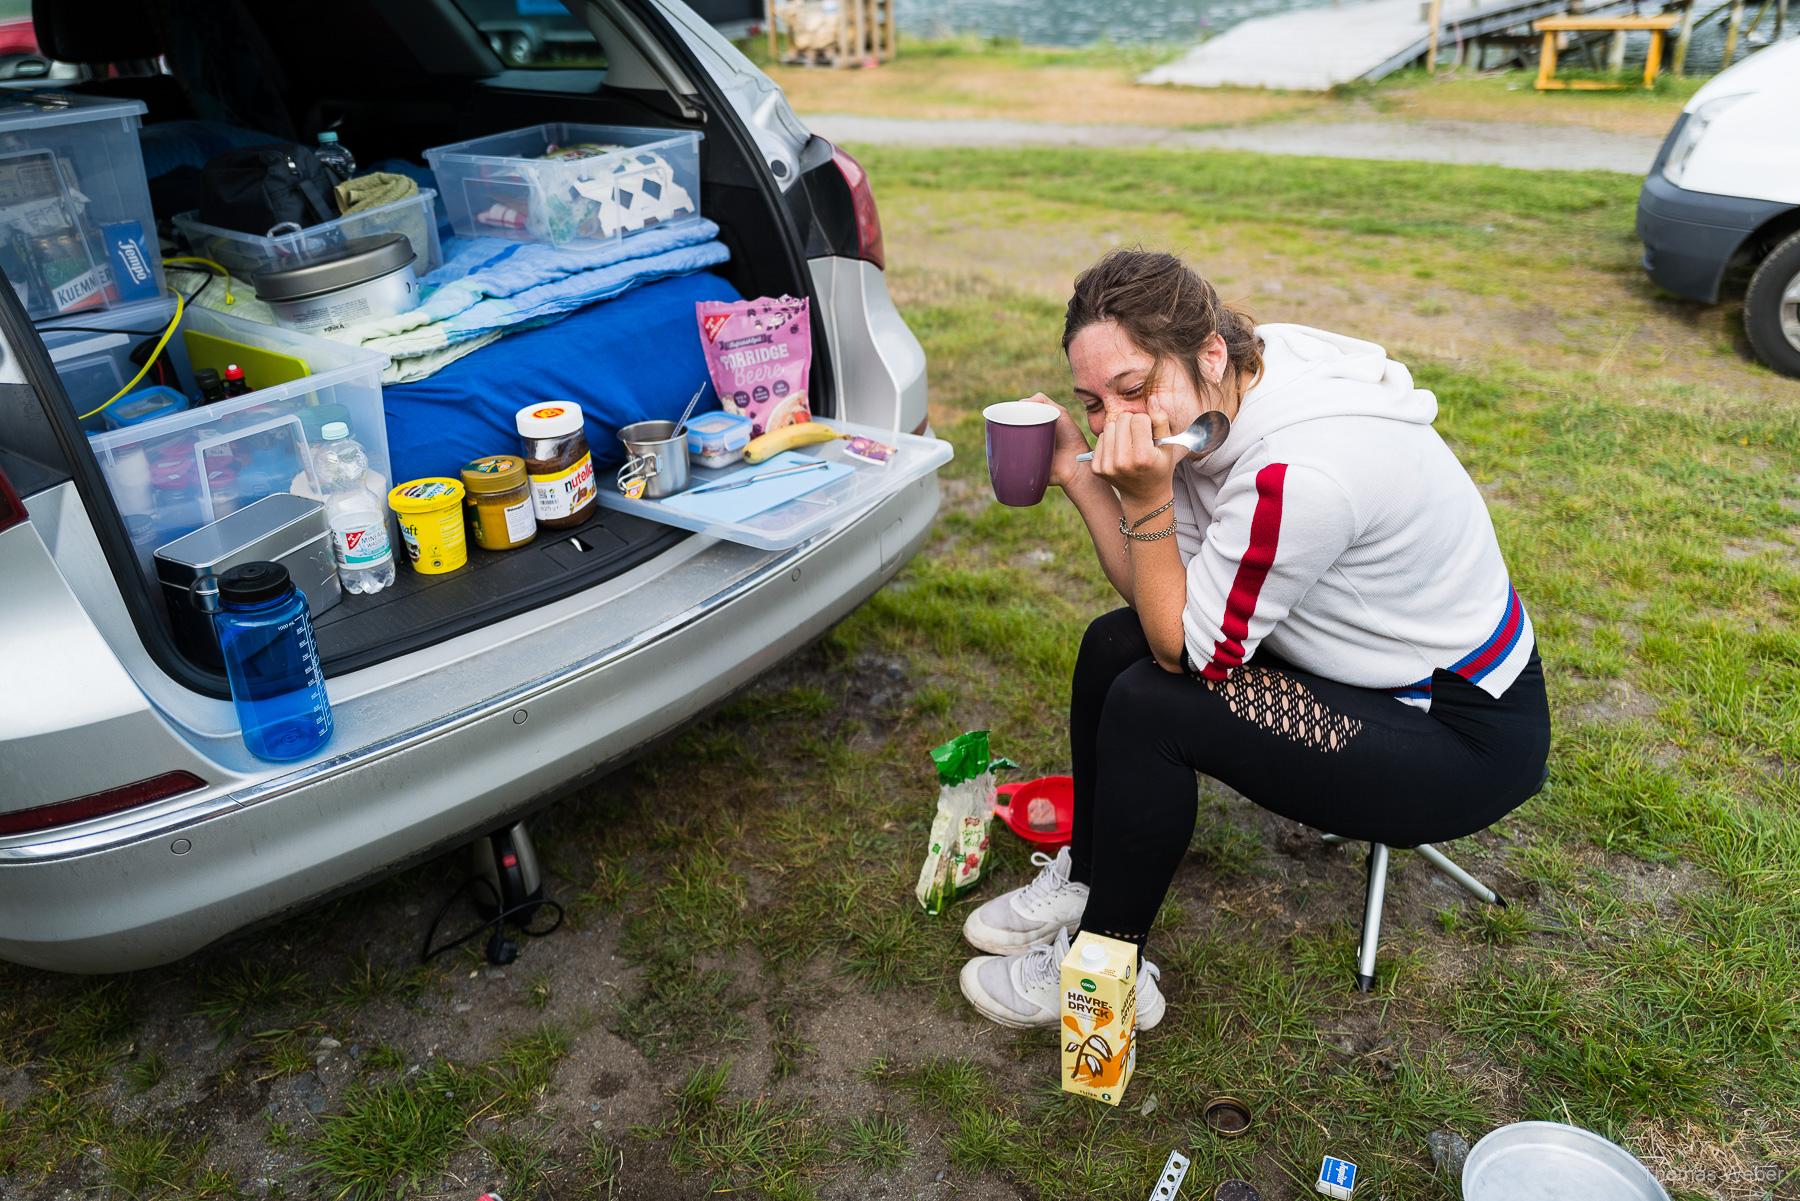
[1320, 617]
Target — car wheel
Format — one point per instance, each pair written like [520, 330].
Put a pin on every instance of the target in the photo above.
[1772, 308]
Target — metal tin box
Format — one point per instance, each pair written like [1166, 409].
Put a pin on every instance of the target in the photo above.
[283, 528]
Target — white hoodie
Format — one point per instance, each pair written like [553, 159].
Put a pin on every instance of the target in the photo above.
[1336, 527]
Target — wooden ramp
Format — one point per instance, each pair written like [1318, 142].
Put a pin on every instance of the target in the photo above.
[1315, 49]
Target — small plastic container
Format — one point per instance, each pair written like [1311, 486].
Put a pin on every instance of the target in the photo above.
[76, 230]
[1012, 804]
[272, 663]
[245, 254]
[500, 512]
[600, 183]
[718, 439]
[431, 523]
[146, 404]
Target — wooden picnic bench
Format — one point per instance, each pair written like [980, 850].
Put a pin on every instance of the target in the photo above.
[1553, 27]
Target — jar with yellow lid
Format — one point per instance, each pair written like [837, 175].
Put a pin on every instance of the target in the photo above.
[499, 502]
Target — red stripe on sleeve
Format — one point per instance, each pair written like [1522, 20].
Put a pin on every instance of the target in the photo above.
[1515, 613]
[1253, 569]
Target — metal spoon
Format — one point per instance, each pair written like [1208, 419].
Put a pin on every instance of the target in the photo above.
[1201, 438]
[689, 411]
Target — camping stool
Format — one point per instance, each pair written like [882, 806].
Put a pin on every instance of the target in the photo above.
[1378, 865]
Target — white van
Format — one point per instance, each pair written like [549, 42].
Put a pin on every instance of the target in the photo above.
[1724, 197]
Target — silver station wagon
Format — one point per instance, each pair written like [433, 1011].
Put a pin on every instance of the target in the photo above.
[135, 828]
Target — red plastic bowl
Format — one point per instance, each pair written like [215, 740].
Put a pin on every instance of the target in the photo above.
[1012, 801]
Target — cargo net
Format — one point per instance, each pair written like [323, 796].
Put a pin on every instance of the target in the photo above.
[1282, 705]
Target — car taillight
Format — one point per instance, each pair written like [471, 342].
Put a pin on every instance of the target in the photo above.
[12, 509]
[99, 804]
[868, 222]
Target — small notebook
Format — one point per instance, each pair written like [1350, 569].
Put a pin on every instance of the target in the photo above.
[739, 503]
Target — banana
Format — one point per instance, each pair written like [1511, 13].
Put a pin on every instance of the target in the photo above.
[801, 433]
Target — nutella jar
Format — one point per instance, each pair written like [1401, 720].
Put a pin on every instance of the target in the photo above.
[558, 464]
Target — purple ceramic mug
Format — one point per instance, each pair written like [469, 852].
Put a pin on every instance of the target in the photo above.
[1021, 439]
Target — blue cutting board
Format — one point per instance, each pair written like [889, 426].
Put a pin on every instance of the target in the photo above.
[761, 496]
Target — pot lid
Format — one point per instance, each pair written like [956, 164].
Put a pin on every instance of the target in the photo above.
[358, 261]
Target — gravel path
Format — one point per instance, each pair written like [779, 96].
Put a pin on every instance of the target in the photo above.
[1495, 143]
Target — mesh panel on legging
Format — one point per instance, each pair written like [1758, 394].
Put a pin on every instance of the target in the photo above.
[1283, 705]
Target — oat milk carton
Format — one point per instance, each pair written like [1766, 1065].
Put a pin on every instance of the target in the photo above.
[1099, 1017]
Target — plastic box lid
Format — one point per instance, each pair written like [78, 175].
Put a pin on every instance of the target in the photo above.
[814, 512]
[36, 110]
[145, 404]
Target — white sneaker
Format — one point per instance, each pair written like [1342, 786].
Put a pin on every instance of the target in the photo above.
[1032, 914]
[1022, 991]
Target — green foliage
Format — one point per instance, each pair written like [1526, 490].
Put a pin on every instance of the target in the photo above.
[877, 1144]
[743, 1144]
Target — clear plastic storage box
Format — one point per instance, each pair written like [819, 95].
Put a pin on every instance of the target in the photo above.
[174, 474]
[76, 230]
[843, 494]
[92, 353]
[245, 254]
[627, 180]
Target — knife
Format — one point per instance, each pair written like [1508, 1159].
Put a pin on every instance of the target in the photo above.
[728, 485]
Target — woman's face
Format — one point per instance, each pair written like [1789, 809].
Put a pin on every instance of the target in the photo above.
[1112, 376]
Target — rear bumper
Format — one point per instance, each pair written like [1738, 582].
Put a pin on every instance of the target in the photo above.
[1690, 238]
[291, 840]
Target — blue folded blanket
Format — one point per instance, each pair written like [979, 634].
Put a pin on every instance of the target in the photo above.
[631, 359]
[488, 287]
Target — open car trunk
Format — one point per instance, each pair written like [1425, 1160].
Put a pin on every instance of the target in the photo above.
[433, 85]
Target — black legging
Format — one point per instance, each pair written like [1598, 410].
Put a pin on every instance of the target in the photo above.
[1344, 760]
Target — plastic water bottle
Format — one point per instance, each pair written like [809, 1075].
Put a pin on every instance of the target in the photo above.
[272, 663]
[359, 532]
[334, 156]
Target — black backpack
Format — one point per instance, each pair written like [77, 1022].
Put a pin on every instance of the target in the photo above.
[254, 189]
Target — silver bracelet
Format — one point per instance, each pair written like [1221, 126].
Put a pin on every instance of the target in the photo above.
[1134, 536]
[1159, 509]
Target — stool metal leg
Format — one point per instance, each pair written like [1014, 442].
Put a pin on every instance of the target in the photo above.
[1443, 863]
[1371, 932]
[1377, 893]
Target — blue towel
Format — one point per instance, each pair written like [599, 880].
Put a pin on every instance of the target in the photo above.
[488, 287]
[634, 358]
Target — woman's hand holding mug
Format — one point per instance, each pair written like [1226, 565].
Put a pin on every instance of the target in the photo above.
[1069, 442]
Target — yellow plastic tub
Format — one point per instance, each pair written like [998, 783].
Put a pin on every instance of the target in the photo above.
[431, 523]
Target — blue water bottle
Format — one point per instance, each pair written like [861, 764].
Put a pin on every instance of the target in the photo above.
[272, 662]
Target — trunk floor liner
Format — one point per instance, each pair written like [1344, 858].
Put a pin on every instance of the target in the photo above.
[417, 610]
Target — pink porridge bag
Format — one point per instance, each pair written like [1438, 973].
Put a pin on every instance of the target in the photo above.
[760, 355]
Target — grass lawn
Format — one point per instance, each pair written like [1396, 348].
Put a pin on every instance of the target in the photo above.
[984, 78]
[748, 1000]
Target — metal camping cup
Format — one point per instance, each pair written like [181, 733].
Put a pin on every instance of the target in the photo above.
[657, 460]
